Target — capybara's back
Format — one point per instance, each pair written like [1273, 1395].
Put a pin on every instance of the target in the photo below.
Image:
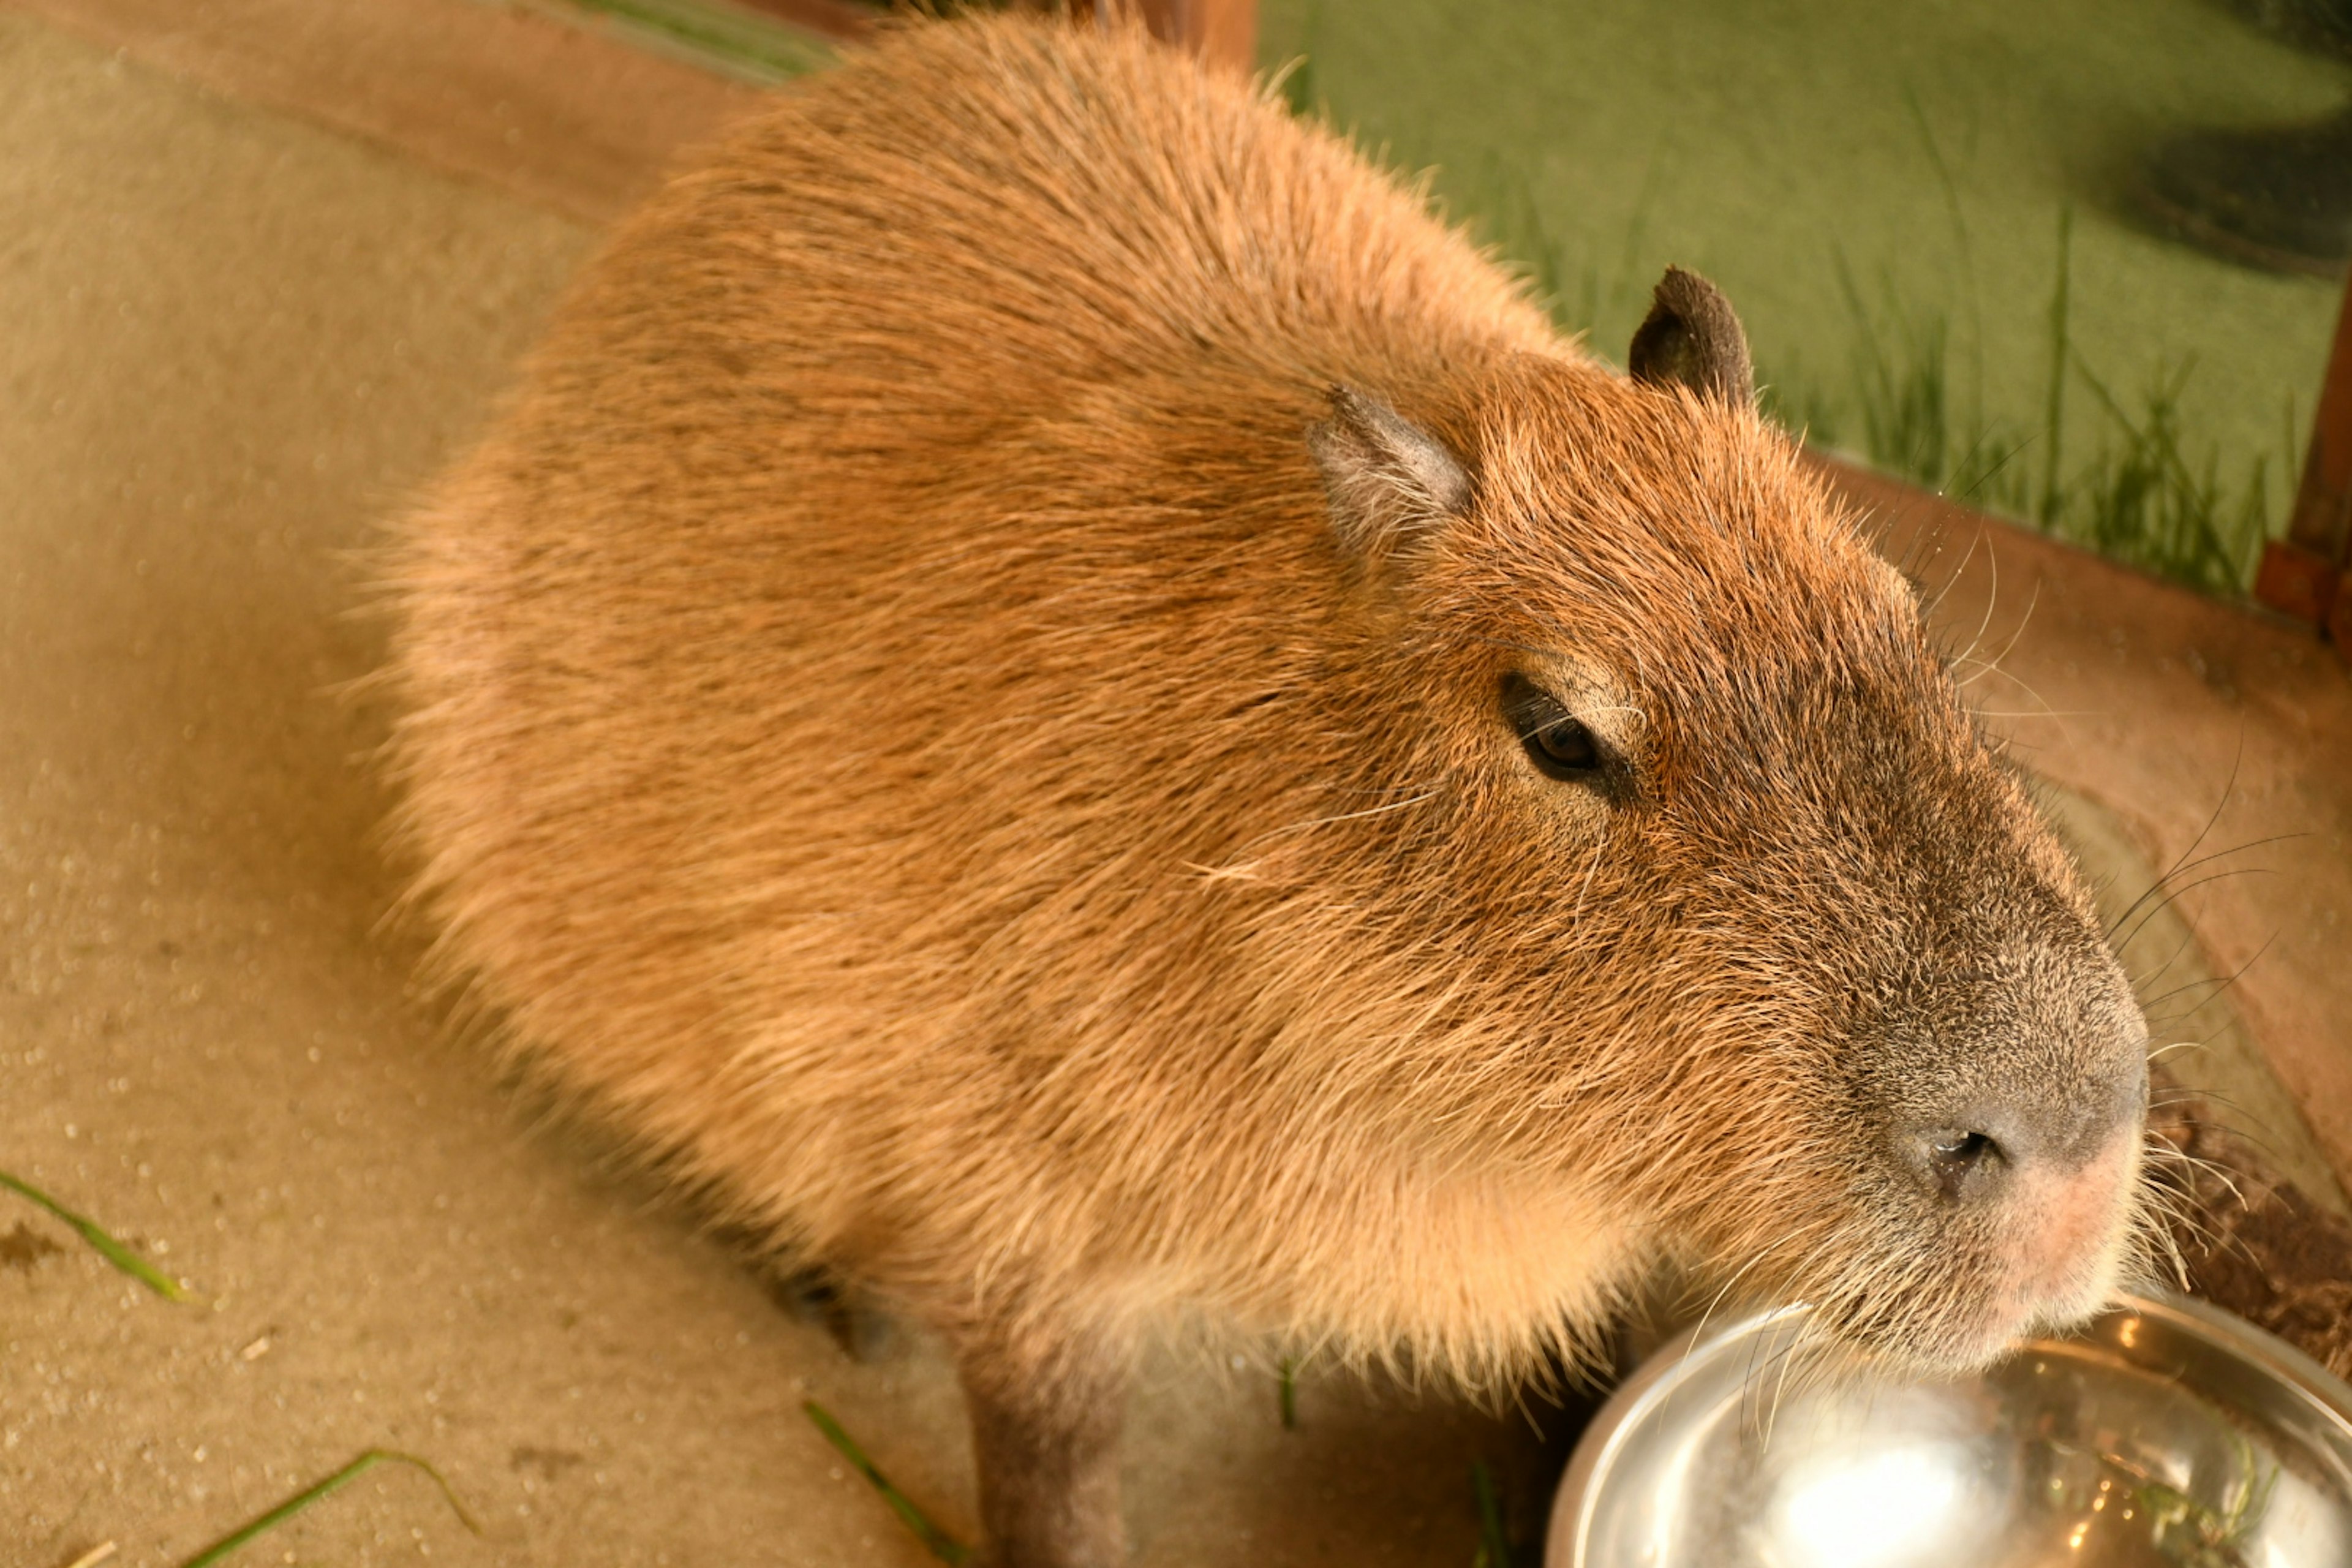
[1063, 700]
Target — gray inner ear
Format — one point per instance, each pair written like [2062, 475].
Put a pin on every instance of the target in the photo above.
[1384, 474]
[1693, 337]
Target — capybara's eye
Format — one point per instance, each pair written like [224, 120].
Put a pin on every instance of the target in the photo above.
[1557, 741]
[1566, 747]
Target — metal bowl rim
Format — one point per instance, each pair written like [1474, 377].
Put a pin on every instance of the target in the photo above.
[1633, 1398]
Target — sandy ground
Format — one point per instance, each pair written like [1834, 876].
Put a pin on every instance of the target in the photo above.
[239, 329]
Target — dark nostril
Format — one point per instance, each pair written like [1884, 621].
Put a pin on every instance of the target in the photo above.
[1953, 1157]
[1962, 1150]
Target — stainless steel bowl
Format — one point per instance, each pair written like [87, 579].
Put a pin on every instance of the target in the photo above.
[2168, 1435]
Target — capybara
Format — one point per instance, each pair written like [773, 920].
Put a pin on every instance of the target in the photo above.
[1078, 712]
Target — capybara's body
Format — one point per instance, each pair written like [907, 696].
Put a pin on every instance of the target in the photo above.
[933, 715]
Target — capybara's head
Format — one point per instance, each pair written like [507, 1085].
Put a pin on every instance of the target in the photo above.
[1773, 949]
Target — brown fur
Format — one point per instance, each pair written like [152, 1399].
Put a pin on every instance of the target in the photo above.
[899, 722]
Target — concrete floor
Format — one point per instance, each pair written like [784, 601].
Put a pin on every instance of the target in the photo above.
[243, 324]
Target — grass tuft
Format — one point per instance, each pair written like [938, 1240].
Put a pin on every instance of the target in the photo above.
[2053, 403]
[2139, 496]
[2134, 489]
[939, 1543]
[2143, 503]
[246, 1535]
[106, 1247]
[1493, 1543]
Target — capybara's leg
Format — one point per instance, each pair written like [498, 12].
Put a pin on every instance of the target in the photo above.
[816, 1296]
[1046, 1439]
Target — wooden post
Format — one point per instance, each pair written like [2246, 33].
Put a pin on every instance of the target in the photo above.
[2308, 575]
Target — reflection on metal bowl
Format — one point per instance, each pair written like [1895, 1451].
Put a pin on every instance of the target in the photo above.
[2167, 1435]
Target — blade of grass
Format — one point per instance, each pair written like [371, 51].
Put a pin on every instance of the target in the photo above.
[1968, 265]
[1494, 1546]
[1289, 1394]
[246, 1533]
[1297, 80]
[747, 44]
[106, 1247]
[2053, 405]
[941, 1545]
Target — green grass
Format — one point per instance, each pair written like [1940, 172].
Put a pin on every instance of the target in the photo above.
[1494, 1542]
[2138, 487]
[246, 1534]
[2140, 490]
[1940, 363]
[100, 1242]
[122, 1258]
[938, 1541]
[738, 42]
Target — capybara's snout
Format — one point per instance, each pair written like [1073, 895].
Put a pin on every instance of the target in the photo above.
[1976, 1148]
[2013, 1145]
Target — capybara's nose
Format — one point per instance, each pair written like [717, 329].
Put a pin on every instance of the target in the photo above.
[1967, 1158]
[1974, 1148]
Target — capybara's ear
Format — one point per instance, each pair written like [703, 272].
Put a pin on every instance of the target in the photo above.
[1692, 336]
[1385, 475]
